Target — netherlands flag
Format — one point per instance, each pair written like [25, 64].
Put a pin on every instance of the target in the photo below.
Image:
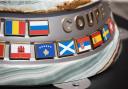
[38, 28]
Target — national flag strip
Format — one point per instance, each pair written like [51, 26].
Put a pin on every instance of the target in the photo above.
[96, 39]
[66, 48]
[38, 28]
[45, 50]
[15, 28]
[2, 50]
[83, 44]
[111, 26]
[20, 51]
[105, 33]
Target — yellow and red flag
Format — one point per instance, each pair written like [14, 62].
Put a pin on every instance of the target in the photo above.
[96, 39]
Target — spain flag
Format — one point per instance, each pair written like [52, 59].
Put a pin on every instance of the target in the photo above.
[15, 28]
[96, 39]
[38, 28]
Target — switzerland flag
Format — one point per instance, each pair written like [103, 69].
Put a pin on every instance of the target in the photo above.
[111, 25]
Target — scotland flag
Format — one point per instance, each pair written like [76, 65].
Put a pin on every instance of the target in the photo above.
[66, 48]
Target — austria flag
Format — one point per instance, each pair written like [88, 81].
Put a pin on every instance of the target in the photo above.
[20, 51]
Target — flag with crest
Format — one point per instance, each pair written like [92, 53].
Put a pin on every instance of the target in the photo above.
[45, 50]
[83, 44]
[20, 51]
[96, 39]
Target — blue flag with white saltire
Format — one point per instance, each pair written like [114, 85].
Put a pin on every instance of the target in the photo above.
[66, 48]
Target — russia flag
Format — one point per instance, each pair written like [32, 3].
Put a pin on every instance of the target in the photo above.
[38, 28]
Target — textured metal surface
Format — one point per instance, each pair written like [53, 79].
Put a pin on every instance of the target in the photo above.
[56, 32]
[80, 84]
[55, 24]
[26, 73]
[59, 70]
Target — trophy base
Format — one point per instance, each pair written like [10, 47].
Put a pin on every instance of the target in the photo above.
[80, 84]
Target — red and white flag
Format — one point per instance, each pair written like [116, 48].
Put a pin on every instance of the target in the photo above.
[2, 49]
[111, 25]
[20, 51]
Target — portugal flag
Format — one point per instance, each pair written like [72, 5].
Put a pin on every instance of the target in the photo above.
[20, 51]
[96, 39]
